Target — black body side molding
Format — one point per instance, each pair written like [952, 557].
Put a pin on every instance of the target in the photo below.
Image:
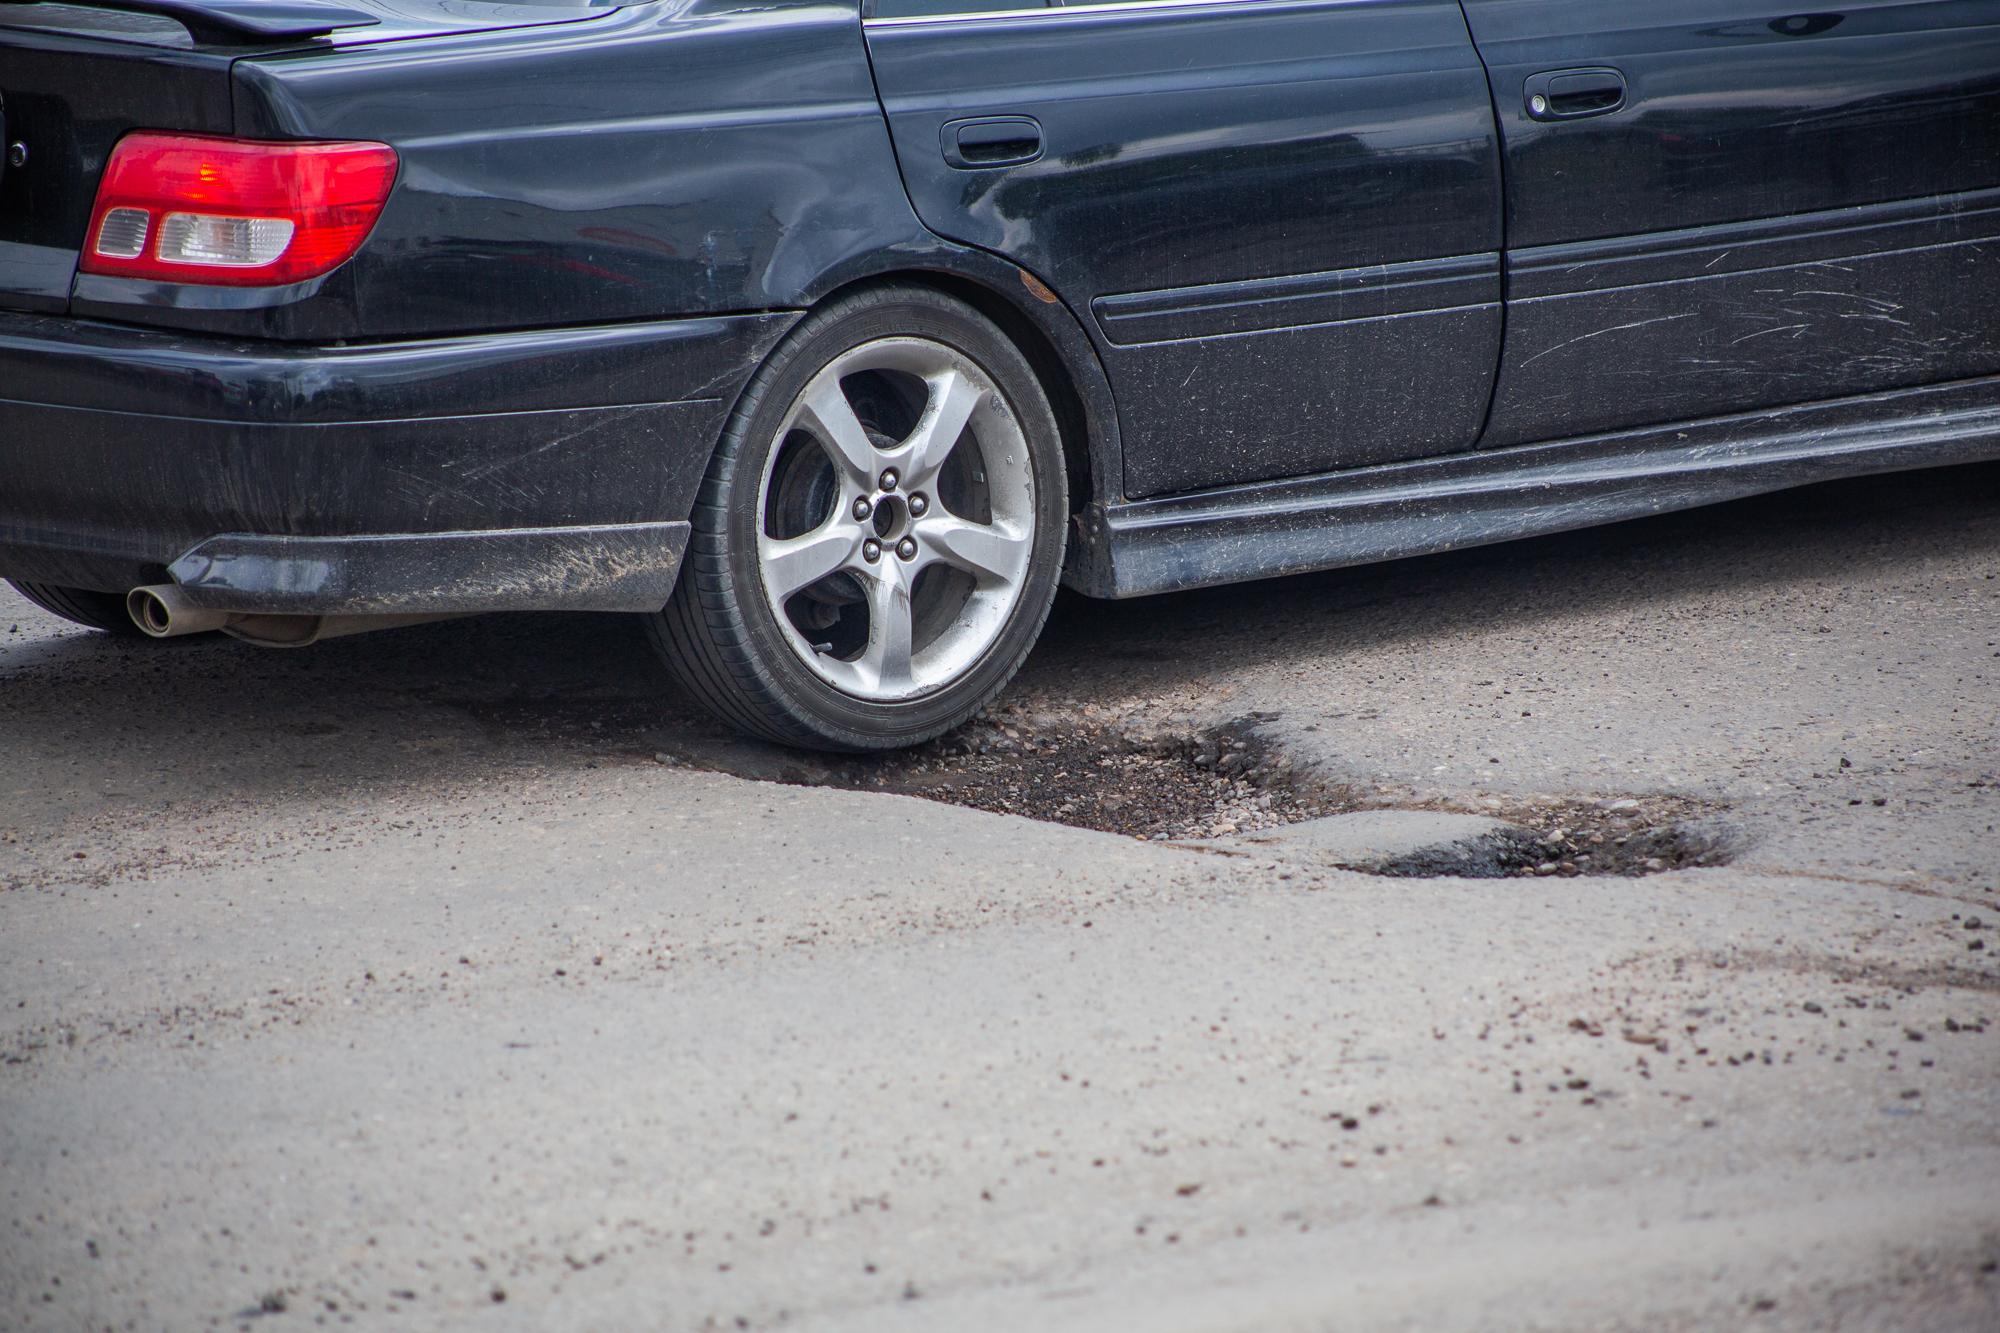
[1472, 499]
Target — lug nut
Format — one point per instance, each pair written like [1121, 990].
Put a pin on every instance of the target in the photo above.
[889, 480]
[862, 509]
[871, 550]
[918, 505]
[907, 548]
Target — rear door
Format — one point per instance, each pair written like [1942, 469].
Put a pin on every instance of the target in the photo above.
[1280, 218]
[1719, 205]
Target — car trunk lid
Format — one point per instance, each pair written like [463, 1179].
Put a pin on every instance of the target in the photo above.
[66, 95]
[75, 77]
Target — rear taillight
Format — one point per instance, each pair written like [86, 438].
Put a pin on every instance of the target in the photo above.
[236, 212]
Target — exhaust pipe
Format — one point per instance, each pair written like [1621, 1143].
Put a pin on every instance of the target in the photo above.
[161, 610]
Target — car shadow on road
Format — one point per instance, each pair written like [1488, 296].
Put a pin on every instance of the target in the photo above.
[436, 700]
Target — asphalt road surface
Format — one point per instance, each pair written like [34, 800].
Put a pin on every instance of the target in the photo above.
[461, 976]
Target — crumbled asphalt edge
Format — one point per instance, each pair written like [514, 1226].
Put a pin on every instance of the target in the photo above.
[1577, 838]
[1181, 784]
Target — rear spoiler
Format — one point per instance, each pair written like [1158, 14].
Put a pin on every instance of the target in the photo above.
[235, 22]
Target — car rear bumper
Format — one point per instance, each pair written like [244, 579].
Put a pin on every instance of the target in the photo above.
[519, 471]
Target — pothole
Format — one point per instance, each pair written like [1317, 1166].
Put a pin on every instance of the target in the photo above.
[1230, 782]
[1165, 787]
[1622, 836]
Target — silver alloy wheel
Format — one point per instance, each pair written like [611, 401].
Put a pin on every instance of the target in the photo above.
[893, 537]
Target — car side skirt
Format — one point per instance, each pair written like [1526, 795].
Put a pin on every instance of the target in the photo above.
[1472, 499]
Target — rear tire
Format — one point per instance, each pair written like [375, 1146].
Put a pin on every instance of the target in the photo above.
[880, 533]
[82, 606]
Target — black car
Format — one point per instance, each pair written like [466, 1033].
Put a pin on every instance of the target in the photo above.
[829, 339]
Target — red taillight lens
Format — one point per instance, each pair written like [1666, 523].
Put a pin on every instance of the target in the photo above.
[236, 212]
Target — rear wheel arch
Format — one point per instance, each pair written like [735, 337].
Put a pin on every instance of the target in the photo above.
[1056, 345]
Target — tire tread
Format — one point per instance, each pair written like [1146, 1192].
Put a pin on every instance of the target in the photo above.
[82, 606]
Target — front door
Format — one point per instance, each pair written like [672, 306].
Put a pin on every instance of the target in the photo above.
[1280, 219]
[1719, 205]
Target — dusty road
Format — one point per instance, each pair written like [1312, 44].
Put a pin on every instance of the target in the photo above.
[460, 977]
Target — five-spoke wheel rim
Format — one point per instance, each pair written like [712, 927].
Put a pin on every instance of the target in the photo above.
[896, 518]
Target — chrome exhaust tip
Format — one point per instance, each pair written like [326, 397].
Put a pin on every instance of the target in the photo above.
[161, 611]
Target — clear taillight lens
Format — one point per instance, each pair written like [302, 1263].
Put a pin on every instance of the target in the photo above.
[205, 238]
[240, 212]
